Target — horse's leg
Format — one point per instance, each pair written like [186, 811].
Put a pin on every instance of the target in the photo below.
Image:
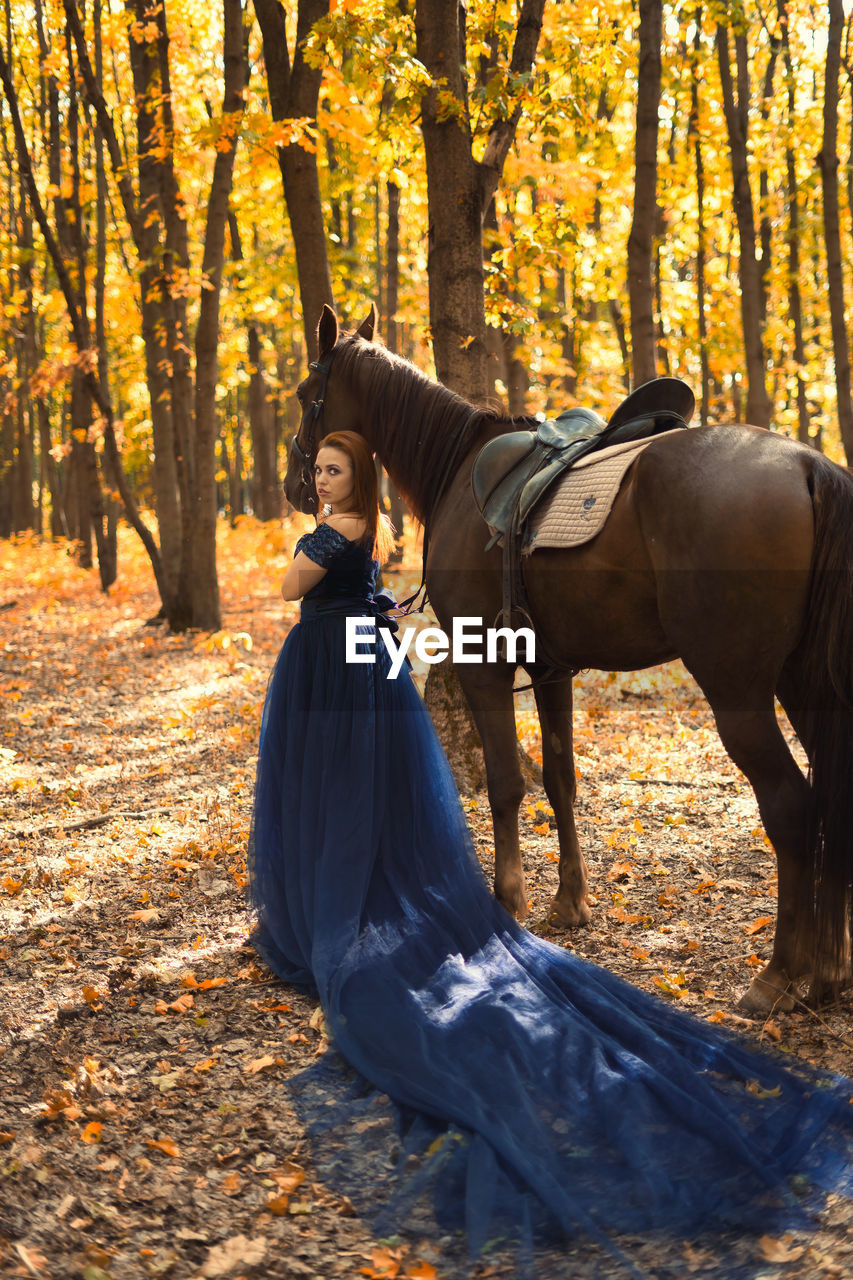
[832, 971]
[554, 703]
[753, 739]
[490, 700]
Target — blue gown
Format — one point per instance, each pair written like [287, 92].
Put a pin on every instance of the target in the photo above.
[536, 1094]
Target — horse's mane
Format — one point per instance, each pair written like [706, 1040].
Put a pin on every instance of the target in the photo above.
[421, 427]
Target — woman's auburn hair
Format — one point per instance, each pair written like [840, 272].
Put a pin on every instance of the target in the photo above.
[365, 493]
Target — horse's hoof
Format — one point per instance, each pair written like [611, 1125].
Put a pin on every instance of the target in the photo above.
[766, 995]
[517, 909]
[574, 917]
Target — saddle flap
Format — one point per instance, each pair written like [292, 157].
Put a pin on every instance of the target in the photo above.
[495, 461]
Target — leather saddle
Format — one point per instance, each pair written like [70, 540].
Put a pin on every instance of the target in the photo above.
[513, 472]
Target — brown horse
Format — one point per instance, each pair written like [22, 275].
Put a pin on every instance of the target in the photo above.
[729, 547]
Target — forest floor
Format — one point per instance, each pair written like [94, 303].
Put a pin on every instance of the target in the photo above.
[145, 1123]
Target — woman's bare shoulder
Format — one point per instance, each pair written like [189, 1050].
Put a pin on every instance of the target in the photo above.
[351, 526]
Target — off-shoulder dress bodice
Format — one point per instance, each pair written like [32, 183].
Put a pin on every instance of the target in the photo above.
[352, 571]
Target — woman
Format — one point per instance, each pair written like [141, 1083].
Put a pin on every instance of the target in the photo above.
[545, 1093]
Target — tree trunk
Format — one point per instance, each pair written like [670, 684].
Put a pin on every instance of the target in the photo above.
[266, 492]
[641, 239]
[206, 612]
[459, 191]
[701, 245]
[294, 91]
[828, 161]
[795, 306]
[751, 293]
[397, 508]
[455, 244]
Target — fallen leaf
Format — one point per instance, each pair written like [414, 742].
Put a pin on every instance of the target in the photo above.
[757, 925]
[260, 1064]
[167, 1145]
[146, 916]
[782, 1250]
[239, 1251]
[36, 1263]
[92, 1132]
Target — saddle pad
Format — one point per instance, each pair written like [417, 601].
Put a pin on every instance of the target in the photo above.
[575, 508]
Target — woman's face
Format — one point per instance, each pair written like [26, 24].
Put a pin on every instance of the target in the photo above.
[333, 476]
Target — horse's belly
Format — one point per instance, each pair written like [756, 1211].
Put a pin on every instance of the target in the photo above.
[590, 615]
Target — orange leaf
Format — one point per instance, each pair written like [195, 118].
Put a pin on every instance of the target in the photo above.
[420, 1271]
[783, 1250]
[205, 1064]
[183, 1003]
[92, 1132]
[167, 1145]
[278, 1205]
[260, 1064]
[289, 1181]
[211, 982]
[90, 995]
[542, 829]
[188, 980]
[757, 925]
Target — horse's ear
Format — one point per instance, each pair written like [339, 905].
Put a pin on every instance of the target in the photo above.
[327, 330]
[366, 328]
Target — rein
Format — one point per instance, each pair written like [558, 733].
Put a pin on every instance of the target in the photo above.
[313, 415]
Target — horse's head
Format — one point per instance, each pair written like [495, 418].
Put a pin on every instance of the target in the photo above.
[325, 406]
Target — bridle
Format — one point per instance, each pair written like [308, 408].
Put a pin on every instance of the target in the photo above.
[312, 417]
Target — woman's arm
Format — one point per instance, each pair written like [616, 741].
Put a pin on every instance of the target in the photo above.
[304, 573]
[301, 576]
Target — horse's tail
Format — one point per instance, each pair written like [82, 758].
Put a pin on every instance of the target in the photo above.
[828, 710]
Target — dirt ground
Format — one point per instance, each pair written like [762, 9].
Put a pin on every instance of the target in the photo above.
[145, 1123]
